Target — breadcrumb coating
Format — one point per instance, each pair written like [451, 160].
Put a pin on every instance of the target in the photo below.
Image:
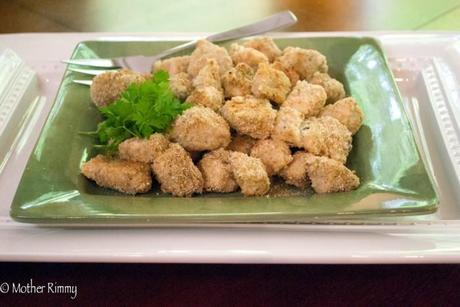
[326, 136]
[217, 172]
[308, 99]
[209, 75]
[266, 45]
[287, 125]
[275, 155]
[271, 84]
[288, 71]
[242, 143]
[305, 62]
[247, 55]
[200, 128]
[347, 112]
[329, 176]
[203, 52]
[107, 87]
[173, 66]
[125, 176]
[176, 173]
[207, 96]
[309, 112]
[296, 173]
[143, 150]
[248, 115]
[250, 174]
[238, 81]
[334, 89]
[181, 85]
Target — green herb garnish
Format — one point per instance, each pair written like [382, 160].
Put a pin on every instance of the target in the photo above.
[141, 110]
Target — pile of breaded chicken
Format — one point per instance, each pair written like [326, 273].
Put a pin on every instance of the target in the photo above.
[258, 112]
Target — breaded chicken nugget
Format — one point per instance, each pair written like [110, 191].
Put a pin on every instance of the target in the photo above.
[247, 55]
[176, 173]
[125, 176]
[107, 87]
[143, 150]
[209, 75]
[242, 143]
[308, 99]
[180, 85]
[305, 62]
[172, 65]
[203, 52]
[334, 89]
[287, 125]
[275, 155]
[288, 71]
[266, 45]
[250, 174]
[271, 84]
[296, 173]
[248, 115]
[326, 136]
[207, 96]
[217, 173]
[238, 81]
[328, 176]
[347, 112]
[200, 128]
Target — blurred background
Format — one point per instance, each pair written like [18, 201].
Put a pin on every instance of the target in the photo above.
[218, 15]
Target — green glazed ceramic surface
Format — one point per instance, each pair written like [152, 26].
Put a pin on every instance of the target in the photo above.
[393, 177]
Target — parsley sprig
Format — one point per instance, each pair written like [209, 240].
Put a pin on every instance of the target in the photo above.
[141, 110]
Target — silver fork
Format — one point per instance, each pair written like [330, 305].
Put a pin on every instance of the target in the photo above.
[143, 64]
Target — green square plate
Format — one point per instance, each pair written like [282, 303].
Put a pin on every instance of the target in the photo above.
[385, 156]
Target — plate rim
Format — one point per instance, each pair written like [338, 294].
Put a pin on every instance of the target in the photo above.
[429, 208]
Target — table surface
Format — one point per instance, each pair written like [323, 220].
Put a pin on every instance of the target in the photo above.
[187, 15]
[257, 285]
[235, 285]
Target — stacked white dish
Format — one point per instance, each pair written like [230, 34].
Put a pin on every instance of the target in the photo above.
[427, 72]
[18, 95]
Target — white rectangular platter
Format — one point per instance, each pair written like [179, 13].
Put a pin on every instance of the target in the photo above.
[427, 70]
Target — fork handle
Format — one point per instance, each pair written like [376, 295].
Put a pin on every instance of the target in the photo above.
[274, 22]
